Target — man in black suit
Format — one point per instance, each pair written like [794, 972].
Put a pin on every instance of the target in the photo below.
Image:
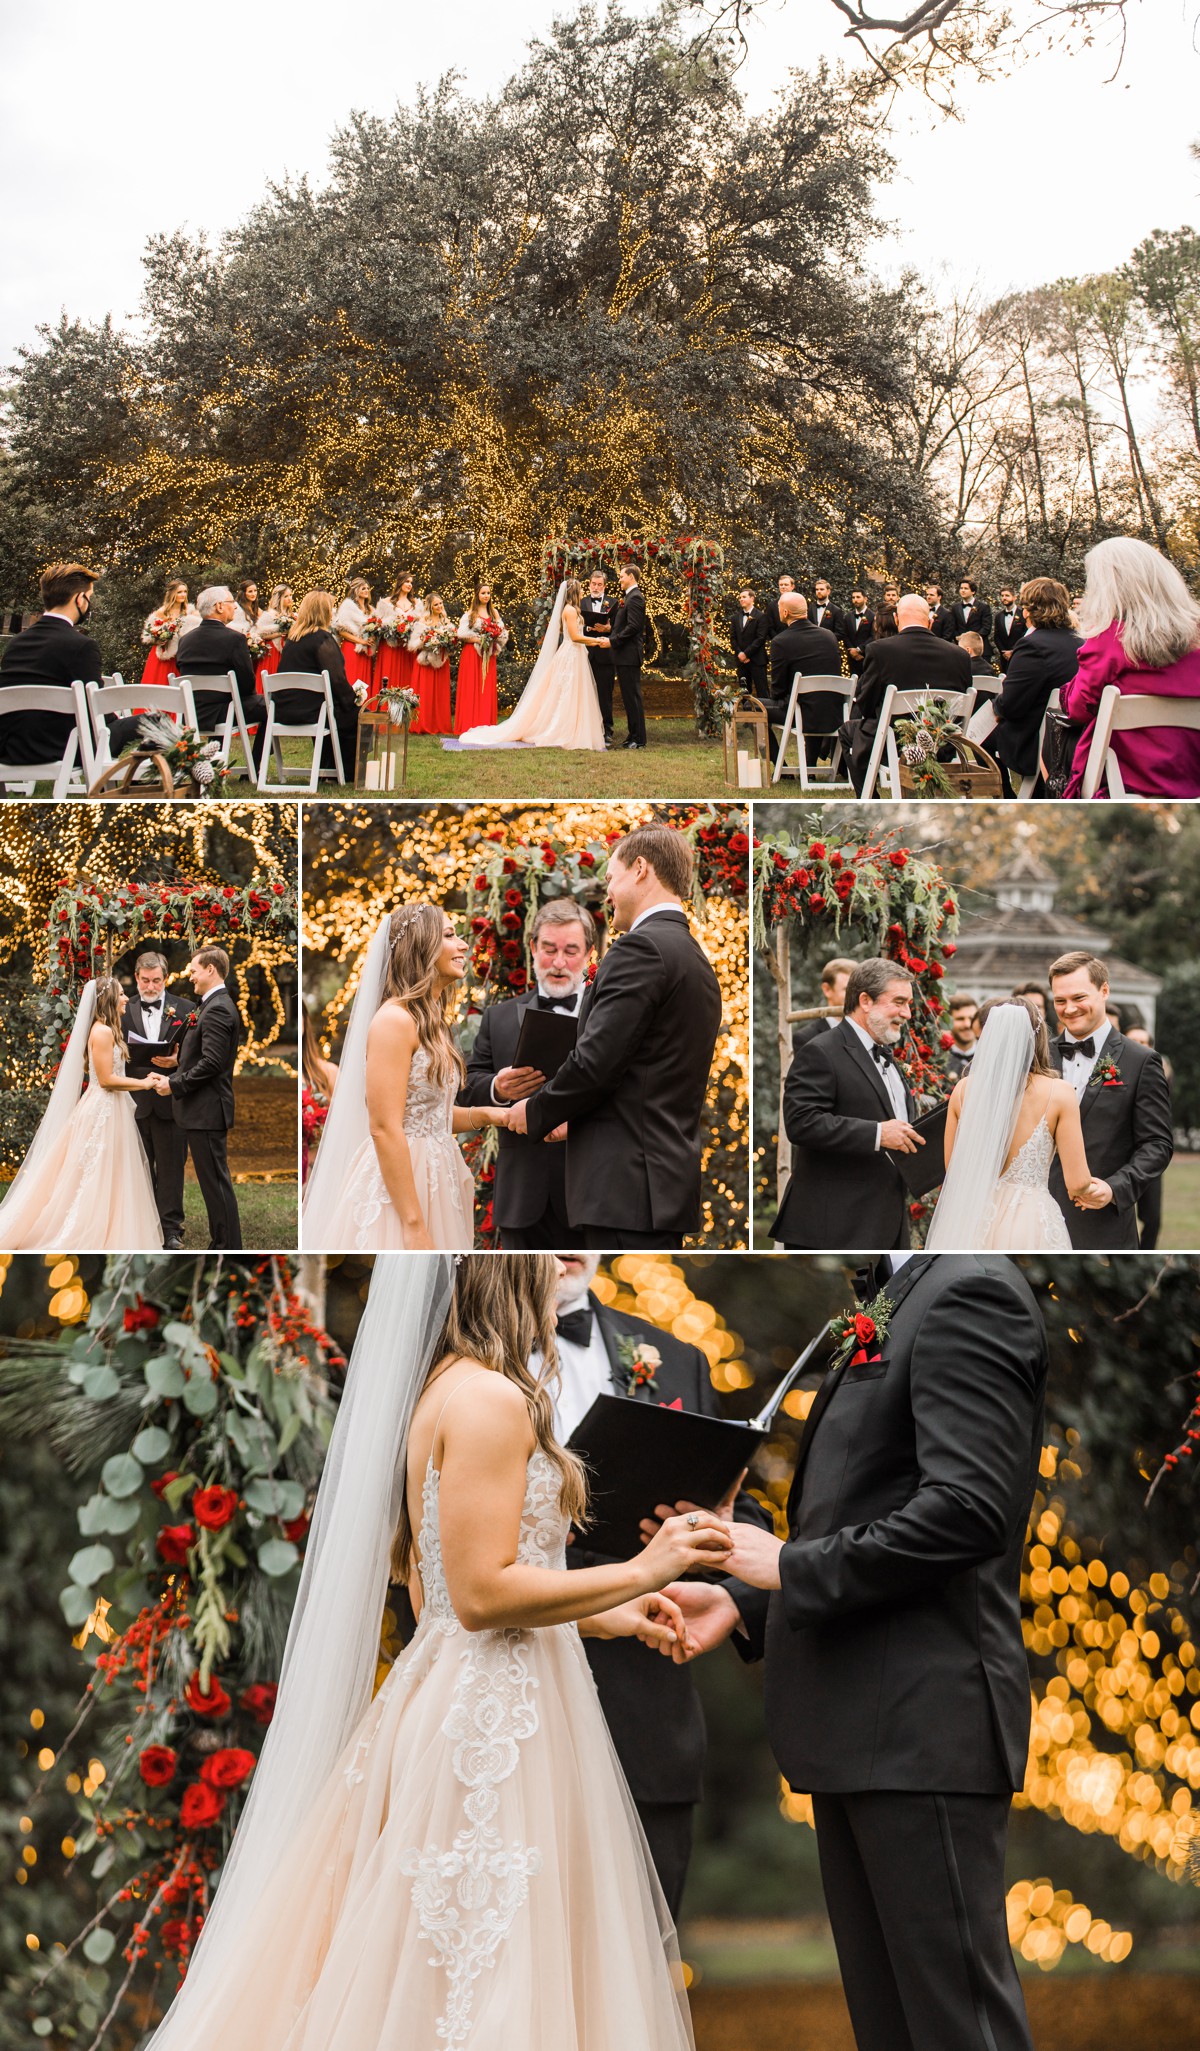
[748, 641]
[969, 615]
[964, 1026]
[912, 659]
[834, 977]
[156, 1016]
[211, 650]
[1124, 1106]
[1008, 625]
[847, 1110]
[858, 630]
[786, 588]
[202, 1090]
[823, 612]
[626, 639]
[896, 1680]
[529, 1201]
[53, 651]
[940, 622]
[650, 1705]
[632, 1093]
[801, 649]
[599, 611]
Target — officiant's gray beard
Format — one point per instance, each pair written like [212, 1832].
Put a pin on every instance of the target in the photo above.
[574, 986]
[573, 1287]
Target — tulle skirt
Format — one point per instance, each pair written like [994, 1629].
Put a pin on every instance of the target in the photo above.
[475, 703]
[542, 1929]
[558, 709]
[432, 687]
[93, 1189]
[159, 669]
[1025, 1220]
[364, 1219]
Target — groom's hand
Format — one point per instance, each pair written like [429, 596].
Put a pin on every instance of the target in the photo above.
[710, 1614]
[513, 1083]
[899, 1137]
[517, 1121]
[1096, 1198]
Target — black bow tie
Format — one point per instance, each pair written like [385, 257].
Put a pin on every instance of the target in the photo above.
[575, 1326]
[1086, 1048]
[555, 1003]
[152, 1004]
[882, 1056]
[869, 1280]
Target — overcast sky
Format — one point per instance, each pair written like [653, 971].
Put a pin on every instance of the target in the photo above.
[122, 122]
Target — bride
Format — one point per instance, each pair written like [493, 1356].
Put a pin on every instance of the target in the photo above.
[85, 1180]
[389, 1173]
[558, 707]
[1007, 1118]
[457, 1862]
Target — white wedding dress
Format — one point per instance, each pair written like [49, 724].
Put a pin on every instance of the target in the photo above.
[84, 1185]
[363, 1218]
[1024, 1217]
[989, 1202]
[558, 708]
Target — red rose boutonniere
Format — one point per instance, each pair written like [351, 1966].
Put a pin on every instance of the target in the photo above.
[1106, 1075]
[860, 1334]
[640, 1363]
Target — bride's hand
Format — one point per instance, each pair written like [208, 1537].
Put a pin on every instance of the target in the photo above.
[655, 1619]
[697, 1540]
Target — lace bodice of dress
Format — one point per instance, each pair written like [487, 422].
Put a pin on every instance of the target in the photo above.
[429, 1105]
[1030, 1165]
[542, 1543]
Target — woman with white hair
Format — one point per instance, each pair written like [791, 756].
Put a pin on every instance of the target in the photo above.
[1143, 634]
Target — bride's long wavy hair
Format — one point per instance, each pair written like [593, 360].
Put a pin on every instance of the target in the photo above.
[108, 1008]
[501, 1313]
[414, 944]
[1039, 1061]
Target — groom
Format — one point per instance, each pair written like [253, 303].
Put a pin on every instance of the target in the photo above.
[625, 639]
[896, 1686]
[153, 1013]
[202, 1093]
[1124, 1108]
[632, 1092]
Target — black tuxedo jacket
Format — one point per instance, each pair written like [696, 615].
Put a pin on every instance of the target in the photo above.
[814, 1030]
[894, 1655]
[911, 661]
[628, 630]
[834, 621]
[943, 623]
[650, 1705]
[210, 650]
[50, 652]
[855, 635]
[1006, 638]
[598, 616]
[812, 651]
[844, 1192]
[748, 636]
[528, 1174]
[633, 1090]
[1042, 661]
[148, 1103]
[1129, 1138]
[202, 1085]
[974, 619]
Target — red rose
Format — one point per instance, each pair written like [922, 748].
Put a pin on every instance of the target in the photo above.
[949, 947]
[157, 1765]
[258, 1700]
[512, 897]
[174, 1543]
[801, 878]
[948, 905]
[816, 850]
[160, 1487]
[497, 833]
[947, 1041]
[228, 1768]
[142, 1318]
[816, 903]
[215, 1704]
[297, 1527]
[511, 950]
[835, 860]
[480, 925]
[587, 860]
[201, 1805]
[481, 883]
[864, 1327]
[511, 921]
[509, 866]
[898, 858]
[215, 1507]
[936, 969]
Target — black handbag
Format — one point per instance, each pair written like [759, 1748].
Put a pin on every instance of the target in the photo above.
[1060, 738]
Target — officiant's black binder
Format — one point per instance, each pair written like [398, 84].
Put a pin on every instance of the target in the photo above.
[923, 1171]
[167, 1043]
[545, 1040]
[641, 1454]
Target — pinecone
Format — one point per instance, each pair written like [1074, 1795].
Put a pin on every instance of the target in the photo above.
[915, 753]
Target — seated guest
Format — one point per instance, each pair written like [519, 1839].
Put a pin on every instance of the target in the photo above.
[801, 649]
[54, 651]
[912, 659]
[883, 623]
[858, 630]
[786, 585]
[748, 641]
[1043, 660]
[984, 672]
[1008, 625]
[969, 615]
[312, 646]
[1143, 635]
[211, 650]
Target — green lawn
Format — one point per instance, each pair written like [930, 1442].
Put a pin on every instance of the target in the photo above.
[1181, 1204]
[267, 1211]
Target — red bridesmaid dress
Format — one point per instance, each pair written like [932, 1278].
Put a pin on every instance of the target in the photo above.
[475, 704]
[158, 669]
[432, 687]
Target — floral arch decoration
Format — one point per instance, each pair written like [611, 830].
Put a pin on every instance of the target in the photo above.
[692, 559]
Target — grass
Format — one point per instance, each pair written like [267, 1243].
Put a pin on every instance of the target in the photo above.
[1181, 1203]
[267, 1211]
[1087, 2012]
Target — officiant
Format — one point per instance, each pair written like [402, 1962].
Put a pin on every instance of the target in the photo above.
[154, 1023]
[529, 1202]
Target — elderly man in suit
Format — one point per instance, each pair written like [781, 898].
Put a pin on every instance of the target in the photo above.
[213, 649]
[912, 659]
[800, 648]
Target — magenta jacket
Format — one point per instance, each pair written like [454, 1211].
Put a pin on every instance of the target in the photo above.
[1158, 762]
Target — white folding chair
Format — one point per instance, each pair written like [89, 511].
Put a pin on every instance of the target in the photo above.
[1030, 783]
[234, 721]
[1120, 713]
[64, 775]
[317, 688]
[174, 701]
[793, 726]
[958, 705]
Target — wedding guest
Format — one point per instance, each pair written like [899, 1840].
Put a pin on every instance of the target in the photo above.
[312, 646]
[395, 660]
[858, 630]
[274, 626]
[211, 650]
[911, 659]
[349, 623]
[884, 625]
[529, 1201]
[800, 648]
[598, 611]
[748, 642]
[787, 585]
[986, 678]
[475, 701]
[1143, 634]
[891, 596]
[432, 672]
[964, 1025]
[834, 977]
[969, 614]
[161, 630]
[1008, 625]
[55, 651]
[1042, 661]
[1150, 1202]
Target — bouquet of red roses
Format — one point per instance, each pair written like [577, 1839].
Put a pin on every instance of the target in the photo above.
[491, 631]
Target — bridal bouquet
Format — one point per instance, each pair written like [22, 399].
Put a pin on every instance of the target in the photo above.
[256, 642]
[373, 631]
[491, 632]
[436, 643]
[160, 632]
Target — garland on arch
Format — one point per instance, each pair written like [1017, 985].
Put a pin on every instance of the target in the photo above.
[694, 560]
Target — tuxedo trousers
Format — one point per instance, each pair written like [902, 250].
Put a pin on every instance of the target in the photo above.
[165, 1147]
[548, 1234]
[606, 1239]
[668, 1828]
[914, 1885]
[629, 684]
[604, 671]
[209, 1146]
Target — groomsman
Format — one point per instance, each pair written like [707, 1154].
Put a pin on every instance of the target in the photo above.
[848, 1111]
[969, 615]
[964, 1024]
[599, 611]
[151, 1013]
[1124, 1104]
[834, 977]
[823, 612]
[940, 622]
[748, 640]
[529, 1200]
[1009, 625]
[787, 586]
[858, 629]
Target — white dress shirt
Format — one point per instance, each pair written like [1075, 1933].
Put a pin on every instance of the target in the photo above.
[672, 906]
[1077, 1068]
[586, 1372]
[889, 1076]
[152, 1021]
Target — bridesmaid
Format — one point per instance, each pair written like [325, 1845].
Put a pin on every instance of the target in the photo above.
[177, 614]
[475, 704]
[431, 670]
[248, 611]
[274, 625]
[348, 623]
[394, 664]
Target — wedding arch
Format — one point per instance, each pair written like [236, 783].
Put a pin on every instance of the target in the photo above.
[688, 557]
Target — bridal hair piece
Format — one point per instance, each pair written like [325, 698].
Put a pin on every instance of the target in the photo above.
[64, 1096]
[1005, 1057]
[330, 1659]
